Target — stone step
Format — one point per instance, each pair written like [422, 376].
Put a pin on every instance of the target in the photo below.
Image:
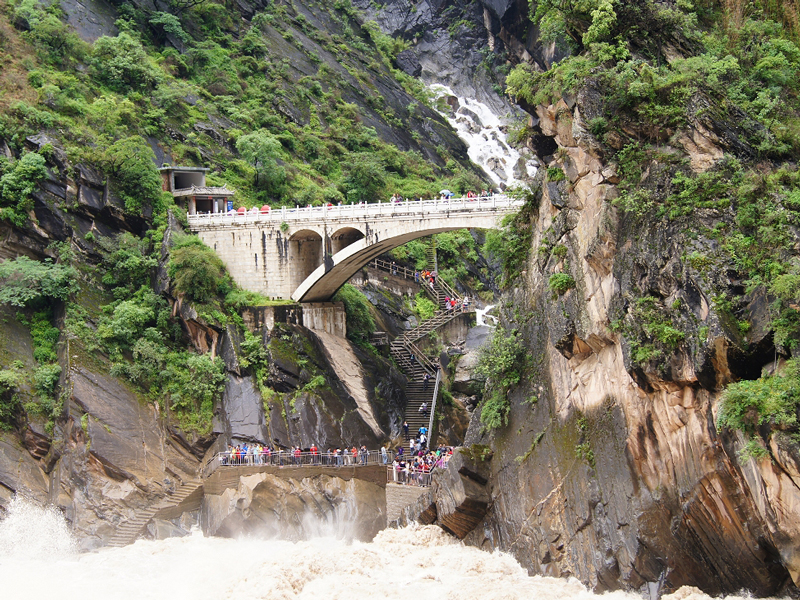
[128, 531]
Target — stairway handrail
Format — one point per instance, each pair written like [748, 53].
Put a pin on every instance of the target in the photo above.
[385, 265]
[447, 289]
[425, 362]
[421, 330]
[433, 407]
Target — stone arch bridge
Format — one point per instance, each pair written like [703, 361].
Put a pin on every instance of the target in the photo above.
[306, 254]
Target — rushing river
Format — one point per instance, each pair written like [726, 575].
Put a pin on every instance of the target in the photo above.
[37, 559]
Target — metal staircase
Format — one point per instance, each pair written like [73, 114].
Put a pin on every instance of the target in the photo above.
[403, 348]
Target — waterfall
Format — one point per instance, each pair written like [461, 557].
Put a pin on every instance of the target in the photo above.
[484, 132]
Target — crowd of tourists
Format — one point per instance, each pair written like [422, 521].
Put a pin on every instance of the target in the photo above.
[416, 467]
[411, 467]
[263, 454]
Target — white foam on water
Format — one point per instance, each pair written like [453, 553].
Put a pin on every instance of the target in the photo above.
[483, 132]
[415, 563]
[32, 532]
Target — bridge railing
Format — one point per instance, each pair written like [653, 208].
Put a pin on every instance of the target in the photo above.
[395, 269]
[401, 208]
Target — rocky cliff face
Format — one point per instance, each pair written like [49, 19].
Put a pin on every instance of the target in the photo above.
[611, 468]
[111, 452]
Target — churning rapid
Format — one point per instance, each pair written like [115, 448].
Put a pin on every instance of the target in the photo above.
[484, 132]
[37, 559]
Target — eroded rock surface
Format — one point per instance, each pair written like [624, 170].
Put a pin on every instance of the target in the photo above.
[269, 506]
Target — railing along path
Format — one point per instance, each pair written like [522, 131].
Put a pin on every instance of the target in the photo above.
[414, 208]
[285, 458]
[415, 476]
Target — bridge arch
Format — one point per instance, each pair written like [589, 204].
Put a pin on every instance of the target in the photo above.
[305, 254]
[337, 270]
[344, 237]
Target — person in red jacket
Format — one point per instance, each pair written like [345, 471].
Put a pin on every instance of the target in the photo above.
[314, 454]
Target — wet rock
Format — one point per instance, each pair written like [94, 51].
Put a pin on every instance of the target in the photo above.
[408, 62]
[268, 505]
[243, 408]
[464, 379]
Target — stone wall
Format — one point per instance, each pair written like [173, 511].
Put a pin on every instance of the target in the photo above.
[318, 316]
[399, 497]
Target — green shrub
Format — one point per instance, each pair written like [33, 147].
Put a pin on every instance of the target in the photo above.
[512, 242]
[122, 64]
[10, 380]
[44, 336]
[560, 283]
[18, 184]
[131, 163]
[772, 401]
[192, 384]
[128, 266]
[126, 320]
[196, 270]
[262, 150]
[27, 282]
[555, 174]
[424, 307]
[360, 323]
[45, 380]
[500, 364]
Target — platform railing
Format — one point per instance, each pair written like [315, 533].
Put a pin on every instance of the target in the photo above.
[402, 208]
[415, 476]
[286, 458]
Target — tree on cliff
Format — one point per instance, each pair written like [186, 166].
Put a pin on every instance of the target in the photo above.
[197, 271]
[131, 163]
[17, 184]
[26, 282]
[262, 150]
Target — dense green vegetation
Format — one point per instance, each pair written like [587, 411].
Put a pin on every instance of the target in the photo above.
[501, 364]
[764, 407]
[360, 323]
[232, 99]
[285, 108]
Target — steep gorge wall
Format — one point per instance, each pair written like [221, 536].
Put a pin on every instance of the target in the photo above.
[614, 471]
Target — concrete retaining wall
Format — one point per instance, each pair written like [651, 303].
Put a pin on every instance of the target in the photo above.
[318, 316]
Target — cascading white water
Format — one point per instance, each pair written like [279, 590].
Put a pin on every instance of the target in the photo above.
[481, 318]
[484, 133]
[421, 563]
